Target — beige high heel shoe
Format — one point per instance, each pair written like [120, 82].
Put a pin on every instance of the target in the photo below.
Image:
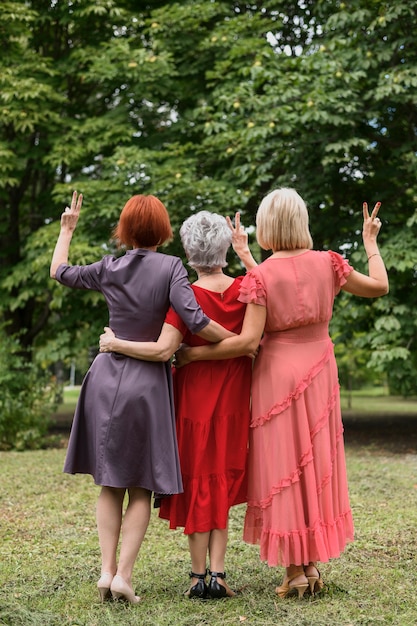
[314, 578]
[287, 589]
[103, 586]
[120, 590]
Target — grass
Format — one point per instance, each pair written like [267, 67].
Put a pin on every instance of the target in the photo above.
[376, 401]
[49, 556]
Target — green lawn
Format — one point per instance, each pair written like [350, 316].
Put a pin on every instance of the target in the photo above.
[49, 556]
[367, 403]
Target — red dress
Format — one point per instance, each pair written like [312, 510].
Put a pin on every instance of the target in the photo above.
[212, 407]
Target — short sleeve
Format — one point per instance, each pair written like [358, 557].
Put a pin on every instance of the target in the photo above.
[80, 276]
[183, 300]
[252, 290]
[341, 269]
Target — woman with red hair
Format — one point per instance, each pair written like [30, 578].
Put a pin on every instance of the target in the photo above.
[123, 432]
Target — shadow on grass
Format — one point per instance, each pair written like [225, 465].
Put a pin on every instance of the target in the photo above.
[396, 434]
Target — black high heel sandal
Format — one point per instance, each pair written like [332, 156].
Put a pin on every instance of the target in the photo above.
[215, 589]
[199, 590]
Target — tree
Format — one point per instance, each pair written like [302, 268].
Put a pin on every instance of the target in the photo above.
[206, 105]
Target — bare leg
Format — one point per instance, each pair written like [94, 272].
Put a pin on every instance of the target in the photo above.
[295, 570]
[134, 526]
[198, 545]
[109, 521]
[217, 550]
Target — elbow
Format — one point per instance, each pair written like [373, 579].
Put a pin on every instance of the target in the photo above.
[377, 293]
[164, 354]
[383, 290]
[52, 273]
[250, 347]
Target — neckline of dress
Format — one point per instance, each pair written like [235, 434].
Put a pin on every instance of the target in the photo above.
[220, 293]
[290, 256]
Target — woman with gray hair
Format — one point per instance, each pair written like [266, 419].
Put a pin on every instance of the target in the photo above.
[212, 419]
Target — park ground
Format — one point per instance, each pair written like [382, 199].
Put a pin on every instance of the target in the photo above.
[49, 556]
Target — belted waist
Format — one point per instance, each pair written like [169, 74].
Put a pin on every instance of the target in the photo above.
[310, 332]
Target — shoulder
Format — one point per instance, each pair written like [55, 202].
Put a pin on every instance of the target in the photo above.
[173, 262]
[334, 259]
[167, 259]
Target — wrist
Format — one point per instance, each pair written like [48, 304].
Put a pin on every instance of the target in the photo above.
[66, 233]
[115, 344]
[373, 254]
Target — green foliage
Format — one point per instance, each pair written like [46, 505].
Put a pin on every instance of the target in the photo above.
[28, 397]
[208, 105]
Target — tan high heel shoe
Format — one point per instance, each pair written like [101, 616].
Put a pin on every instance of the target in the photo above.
[103, 585]
[120, 590]
[287, 589]
[314, 578]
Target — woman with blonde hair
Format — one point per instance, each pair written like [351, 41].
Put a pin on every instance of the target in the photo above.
[298, 507]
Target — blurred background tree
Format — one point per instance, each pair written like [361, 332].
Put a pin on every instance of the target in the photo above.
[207, 104]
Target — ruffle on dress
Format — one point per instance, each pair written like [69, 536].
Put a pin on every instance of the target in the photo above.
[252, 290]
[281, 406]
[341, 267]
[306, 457]
[197, 509]
[321, 543]
[300, 511]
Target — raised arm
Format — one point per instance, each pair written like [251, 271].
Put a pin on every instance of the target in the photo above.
[376, 282]
[69, 219]
[240, 242]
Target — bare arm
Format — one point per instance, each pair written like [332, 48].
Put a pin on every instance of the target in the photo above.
[240, 242]
[160, 350]
[69, 221]
[245, 344]
[214, 332]
[376, 283]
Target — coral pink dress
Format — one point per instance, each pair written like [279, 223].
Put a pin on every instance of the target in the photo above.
[212, 407]
[298, 505]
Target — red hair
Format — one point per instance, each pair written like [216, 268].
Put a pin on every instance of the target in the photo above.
[143, 223]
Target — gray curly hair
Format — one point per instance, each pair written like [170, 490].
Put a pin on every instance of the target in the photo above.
[206, 238]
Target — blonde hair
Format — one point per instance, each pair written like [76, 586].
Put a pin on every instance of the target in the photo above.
[282, 221]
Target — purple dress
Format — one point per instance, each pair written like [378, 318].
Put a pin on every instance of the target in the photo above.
[123, 432]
